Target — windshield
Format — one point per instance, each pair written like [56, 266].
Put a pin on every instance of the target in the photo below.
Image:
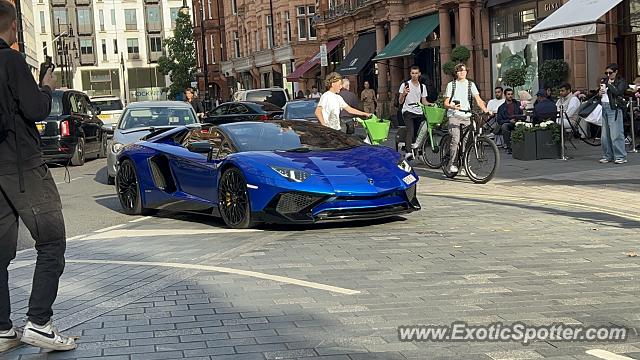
[107, 105]
[56, 104]
[300, 110]
[275, 97]
[288, 135]
[156, 116]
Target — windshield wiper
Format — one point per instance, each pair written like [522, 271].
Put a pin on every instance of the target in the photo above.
[300, 149]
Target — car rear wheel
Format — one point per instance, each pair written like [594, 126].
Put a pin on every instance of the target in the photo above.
[128, 190]
[233, 200]
[78, 157]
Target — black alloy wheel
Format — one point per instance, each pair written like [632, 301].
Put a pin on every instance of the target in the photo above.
[128, 189]
[233, 200]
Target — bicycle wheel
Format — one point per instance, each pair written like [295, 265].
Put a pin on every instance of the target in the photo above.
[431, 156]
[481, 160]
[445, 156]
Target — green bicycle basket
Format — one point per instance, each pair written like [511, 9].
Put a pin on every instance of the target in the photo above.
[378, 129]
[434, 114]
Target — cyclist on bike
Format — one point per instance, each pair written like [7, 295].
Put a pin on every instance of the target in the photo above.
[458, 99]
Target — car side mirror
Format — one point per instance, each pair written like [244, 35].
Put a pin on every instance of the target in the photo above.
[200, 147]
[277, 117]
[97, 111]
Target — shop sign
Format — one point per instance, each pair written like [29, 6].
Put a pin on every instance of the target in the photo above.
[547, 7]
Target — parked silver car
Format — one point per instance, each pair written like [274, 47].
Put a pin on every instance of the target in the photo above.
[142, 118]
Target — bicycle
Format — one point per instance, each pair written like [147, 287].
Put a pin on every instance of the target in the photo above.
[475, 152]
[428, 150]
[377, 129]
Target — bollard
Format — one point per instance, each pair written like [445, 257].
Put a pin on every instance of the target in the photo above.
[562, 115]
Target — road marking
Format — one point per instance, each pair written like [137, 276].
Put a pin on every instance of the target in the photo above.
[225, 270]
[607, 355]
[124, 233]
[535, 200]
[141, 219]
[78, 178]
[109, 228]
[76, 237]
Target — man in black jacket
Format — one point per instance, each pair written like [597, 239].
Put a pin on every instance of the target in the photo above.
[27, 191]
[508, 114]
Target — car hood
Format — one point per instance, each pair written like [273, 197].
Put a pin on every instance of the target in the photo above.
[129, 136]
[361, 170]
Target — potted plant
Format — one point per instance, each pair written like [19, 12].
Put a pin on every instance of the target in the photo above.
[523, 141]
[553, 72]
[548, 140]
[515, 77]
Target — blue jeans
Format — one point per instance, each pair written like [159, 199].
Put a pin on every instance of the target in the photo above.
[612, 134]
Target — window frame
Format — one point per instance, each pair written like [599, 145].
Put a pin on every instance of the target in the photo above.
[127, 18]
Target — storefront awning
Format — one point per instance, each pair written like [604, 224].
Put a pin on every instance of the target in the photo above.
[575, 18]
[409, 38]
[359, 56]
[313, 61]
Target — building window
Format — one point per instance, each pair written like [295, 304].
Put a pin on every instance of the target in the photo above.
[155, 44]
[269, 32]
[234, 7]
[153, 18]
[85, 25]
[209, 9]
[130, 19]
[173, 13]
[113, 17]
[44, 46]
[101, 18]
[42, 28]
[86, 47]
[236, 44]
[115, 46]
[104, 49]
[60, 19]
[512, 22]
[133, 48]
[287, 27]
[213, 49]
[311, 26]
[302, 23]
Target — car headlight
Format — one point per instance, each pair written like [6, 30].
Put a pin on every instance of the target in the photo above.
[117, 147]
[291, 174]
[404, 165]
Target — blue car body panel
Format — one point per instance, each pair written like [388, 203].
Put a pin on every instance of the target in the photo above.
[357, 183]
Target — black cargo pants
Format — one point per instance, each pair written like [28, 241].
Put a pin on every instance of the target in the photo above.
[40, 209]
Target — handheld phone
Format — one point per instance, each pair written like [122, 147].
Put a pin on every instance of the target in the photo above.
[457, 102]
[44, 67]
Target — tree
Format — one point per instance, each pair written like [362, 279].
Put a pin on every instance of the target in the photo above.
[460, 54]
[553, 72]
[515, 77]
[180, 61]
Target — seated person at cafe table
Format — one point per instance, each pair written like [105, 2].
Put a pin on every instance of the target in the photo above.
[508, 114]
[545, 108]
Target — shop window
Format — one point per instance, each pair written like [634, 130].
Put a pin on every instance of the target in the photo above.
[512, 22]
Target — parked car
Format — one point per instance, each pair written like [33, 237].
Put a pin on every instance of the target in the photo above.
[243, 111]
[276, 96]
[110, 110]
[303, 109]
[142, 118]
[271, 172]
[72, 132]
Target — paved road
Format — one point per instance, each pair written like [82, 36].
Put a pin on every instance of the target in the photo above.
[545, 242]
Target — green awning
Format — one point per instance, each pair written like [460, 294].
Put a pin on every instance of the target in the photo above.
[410, 37]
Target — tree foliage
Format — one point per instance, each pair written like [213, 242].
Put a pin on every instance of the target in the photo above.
[515, 77]
[553, 72]
[180, 61]
[460, 54]
[449, 68]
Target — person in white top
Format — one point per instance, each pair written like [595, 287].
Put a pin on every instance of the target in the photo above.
[330, 104]
[458, 96]
[314, 93]
[493, 106]
[411, 93]
[570, 104]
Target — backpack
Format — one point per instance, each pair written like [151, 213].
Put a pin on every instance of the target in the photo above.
[396, 99]
[453, 91]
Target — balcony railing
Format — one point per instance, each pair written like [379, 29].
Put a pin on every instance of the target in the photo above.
[154, 56]
[344, 9]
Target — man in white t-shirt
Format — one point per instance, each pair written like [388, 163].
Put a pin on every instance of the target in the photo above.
[330, 104]
[493, 105]
[456, 100]
[411, 93]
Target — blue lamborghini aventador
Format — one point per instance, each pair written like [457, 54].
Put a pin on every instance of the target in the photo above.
[273, 172]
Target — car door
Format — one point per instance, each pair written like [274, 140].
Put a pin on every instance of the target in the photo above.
[239, 112]
[83, 122]
[194, 173]
[93, 122]
[216, 114]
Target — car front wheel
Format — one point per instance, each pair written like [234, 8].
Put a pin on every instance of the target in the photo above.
[128, 190]
[233, 200]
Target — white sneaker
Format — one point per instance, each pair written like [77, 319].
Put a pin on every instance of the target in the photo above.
[604, 161]
[415, 146]
[8, 340]
[453, 169]
[409, 155]
[620, 161]
[46, 337]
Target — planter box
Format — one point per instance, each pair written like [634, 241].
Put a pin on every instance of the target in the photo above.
[525, 150]
[545, 147]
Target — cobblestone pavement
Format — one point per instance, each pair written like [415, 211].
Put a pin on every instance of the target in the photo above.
[545, 242]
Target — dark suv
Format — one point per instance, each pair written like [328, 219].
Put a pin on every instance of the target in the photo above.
[72, 132]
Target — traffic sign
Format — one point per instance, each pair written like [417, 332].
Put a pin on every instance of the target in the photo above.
[323, 55]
